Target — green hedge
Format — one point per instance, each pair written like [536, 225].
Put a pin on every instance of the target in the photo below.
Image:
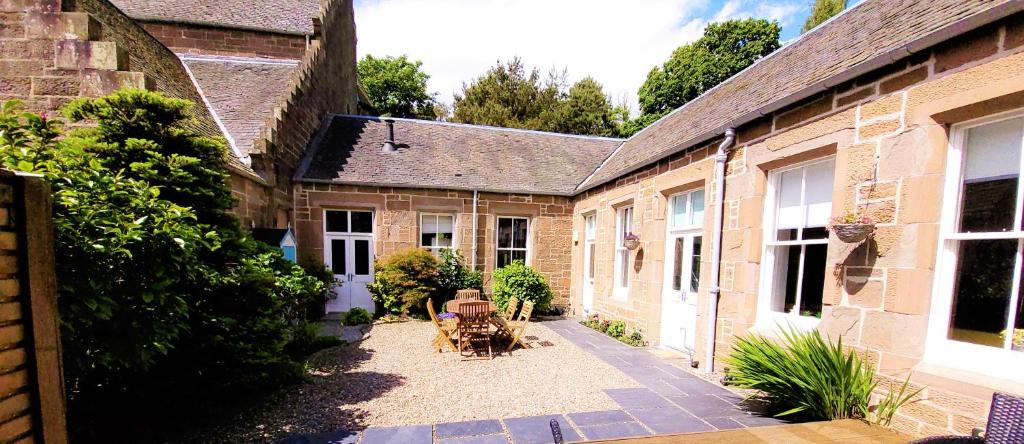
[523, 282]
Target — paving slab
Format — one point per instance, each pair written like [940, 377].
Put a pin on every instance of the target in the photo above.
[398, 435]
[612, 431]
[338, 437]
[709, 406]
[640, 398]
[537, 429]
[599, 418]
[468, 428]
[482, 439]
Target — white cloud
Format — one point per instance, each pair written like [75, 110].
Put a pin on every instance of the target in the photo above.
[616, 42]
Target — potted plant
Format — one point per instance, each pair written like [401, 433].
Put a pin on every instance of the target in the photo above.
[631, 241]
[851, 228]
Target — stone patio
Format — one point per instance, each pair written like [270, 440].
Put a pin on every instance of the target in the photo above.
[672, 400]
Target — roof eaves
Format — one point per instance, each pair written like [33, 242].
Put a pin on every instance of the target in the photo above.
[156, 19]
[428, 186]
[482, 127]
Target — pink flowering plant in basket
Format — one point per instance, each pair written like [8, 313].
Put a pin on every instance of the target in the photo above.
[851, 227]
[631, 241]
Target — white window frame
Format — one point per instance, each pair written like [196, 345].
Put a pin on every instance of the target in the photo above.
[689, 232]
[623, 225]
[436, 250]
[767, 318]
[939, 349]
[497, 242]
[590, 238]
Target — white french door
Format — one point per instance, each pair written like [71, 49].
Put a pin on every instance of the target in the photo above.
[348, 252]
[684, 243]
[589, 265]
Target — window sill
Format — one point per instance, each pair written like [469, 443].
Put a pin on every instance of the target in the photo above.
[956, 357]
[965, 382]
[771, 324]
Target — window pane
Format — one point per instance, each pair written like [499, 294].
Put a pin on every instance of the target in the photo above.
[337, 221]
[981, 297]
[790, 212]
[338, 256]
[790, 275]
[593, 259]
[429, 224]
[519, 235]
[786, 234]
[591, 227]
[362, 254]
[815, 233]
[428, 239]
[991, 170]
[504, 233]
[679, 210]
[519, 255]
[504, 258]
[677, 265]
[813, 284]
[697, 207]
[445, 224]
[1017, 341]
[624, 268]
[695, 265]
[818, 193]
[362, 222]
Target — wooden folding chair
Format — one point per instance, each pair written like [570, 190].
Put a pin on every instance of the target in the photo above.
[475, 327]
[517, 327]
[445, 328]
[510, 309]
[467, 294]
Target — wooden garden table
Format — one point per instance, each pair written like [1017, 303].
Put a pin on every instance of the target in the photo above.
[452, 306]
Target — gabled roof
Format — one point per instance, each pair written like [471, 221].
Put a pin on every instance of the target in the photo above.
[865, 37]
[284, 16]
[240, 92]
[451, 156]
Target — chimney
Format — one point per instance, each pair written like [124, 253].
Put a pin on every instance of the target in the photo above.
[389, 143]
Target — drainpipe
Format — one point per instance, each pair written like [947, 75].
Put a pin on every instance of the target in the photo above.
[716, 248]
[473, 248]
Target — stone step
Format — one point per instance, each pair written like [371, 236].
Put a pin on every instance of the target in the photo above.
[61, 25]
[84, 54]
[100, 83]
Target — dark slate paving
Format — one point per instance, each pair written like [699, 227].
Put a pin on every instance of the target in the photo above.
[537, 429]
[724, 423]
[483, 439]
[639, 398]
[598, 418]
[398, 435]
[670, 420]
[339, 437]
[468, 428]
[616, 430]
[706, 406]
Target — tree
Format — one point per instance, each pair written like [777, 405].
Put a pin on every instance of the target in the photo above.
[725, 49]
[508, 95]
[822, 10]
[397, 87]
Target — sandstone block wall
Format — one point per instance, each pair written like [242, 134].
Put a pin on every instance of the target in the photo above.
[195, 39]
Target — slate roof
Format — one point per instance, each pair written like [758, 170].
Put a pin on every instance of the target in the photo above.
[879, 30]
[452, 156]
[287, 16]
[240, 92]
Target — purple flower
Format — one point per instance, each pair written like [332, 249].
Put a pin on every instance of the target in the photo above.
[446, 316]
[631, 236]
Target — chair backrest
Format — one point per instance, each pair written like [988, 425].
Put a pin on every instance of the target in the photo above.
[524, 315]
[470, 294]
[433, 314]
[1005, 420]
[474, 315]
[510, 309]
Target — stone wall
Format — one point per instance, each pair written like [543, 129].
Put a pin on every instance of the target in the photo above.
[888, 131]
[396, 223]
[196, 39]
[31, 381]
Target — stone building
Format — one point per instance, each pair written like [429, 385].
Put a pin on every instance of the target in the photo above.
[909, 112]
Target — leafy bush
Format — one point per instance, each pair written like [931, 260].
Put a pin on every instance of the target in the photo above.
[356, 316]
[636, 339]
[404, 280]
[616, 329]
[453, 275]
[306, 339]
[807, 375]
[523, 282]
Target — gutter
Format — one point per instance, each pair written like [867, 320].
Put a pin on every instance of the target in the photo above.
[716, 248]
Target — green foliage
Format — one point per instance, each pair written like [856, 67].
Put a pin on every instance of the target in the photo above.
[509, 96]
[616, 329]
[805, 375]
[356, 316]
[821, 11]
[454, 275]
[404, 280]
[523, 282]
[725, 49]
[306, 339]
[636, 339]
[397, 87]
[892, 401]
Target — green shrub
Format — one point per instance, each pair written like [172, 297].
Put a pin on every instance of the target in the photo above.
[306, 339]
[404, 280]
[454, 275]
[523, 282]
[636, 339]
[356, 316]
[806, 375]
[616, 329]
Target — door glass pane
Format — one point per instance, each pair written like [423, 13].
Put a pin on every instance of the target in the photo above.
[981, 297]
[818, 193]
[991, 171]
[338, 256]
[695, 265]
[519, 234]
[592, 259]
[697, 207]
[362, 222]
[677, 264]
[362, 255]
[813, 284]
[337, 221]
[504, 233]
[679, 210]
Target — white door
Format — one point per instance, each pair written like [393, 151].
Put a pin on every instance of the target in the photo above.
[589, 263]
[683, 246]
[348, 252]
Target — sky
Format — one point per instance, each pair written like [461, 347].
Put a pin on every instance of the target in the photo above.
[616, 42]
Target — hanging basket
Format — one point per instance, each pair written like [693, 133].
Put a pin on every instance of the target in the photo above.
[631, 244]
[853, 233]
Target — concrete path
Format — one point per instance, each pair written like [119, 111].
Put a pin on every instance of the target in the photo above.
[672, 401]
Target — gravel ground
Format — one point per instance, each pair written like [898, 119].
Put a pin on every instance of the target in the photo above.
[393, 378]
